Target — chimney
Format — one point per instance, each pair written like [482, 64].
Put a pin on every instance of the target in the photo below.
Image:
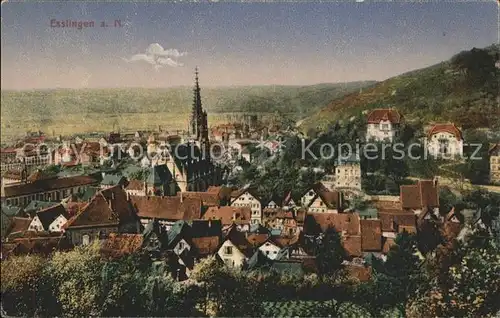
[180, 195]
[234, 216]
[435, 181]
[110, 205]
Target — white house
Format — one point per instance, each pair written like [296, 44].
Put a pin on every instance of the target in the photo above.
[383, 125]
[270, 250]
[245, 198]
[51, 219]
[445, 141]
[231, 255]
[348, 175]
[319, 199]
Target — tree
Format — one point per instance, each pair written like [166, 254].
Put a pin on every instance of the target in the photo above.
[394, 281]
[24, 287]
[76, 275]
[225, 292]
[329, 252]
[471, 287]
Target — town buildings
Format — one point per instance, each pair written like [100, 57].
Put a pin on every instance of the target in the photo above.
[383, 125]
[348, 175]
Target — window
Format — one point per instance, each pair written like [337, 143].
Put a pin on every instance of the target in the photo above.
[181, 245]
[385, 126]
[228, 250]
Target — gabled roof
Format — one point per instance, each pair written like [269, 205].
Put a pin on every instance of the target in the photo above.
[257, 240]
[448, 128]
[207, 198]
[423, 194]
[240, 241]
[206, 245]
[177, 232]
[108, 207]
[229, 215]
[332, 199]
[48, 185]
[348, 222]
[238, 193]
[18, 224]
[371, 235]
[378, 115]
[166, 208]
[390, 221]
[48, 215]
[285, 241]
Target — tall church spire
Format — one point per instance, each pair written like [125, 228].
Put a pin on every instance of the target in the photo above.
[198, 121]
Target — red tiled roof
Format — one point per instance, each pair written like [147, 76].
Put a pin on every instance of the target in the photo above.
[423, 194]
[378, 115]
[167, 208]
[257, 240]
[371, 235]
[229, 215]
[48, 185]
[448, 128]
[391, 221]
[348, 222]
[206, 245]
[96, 213]
[118, 245]
[284, 241]
[352, 245]
[18, 225]
[207, 198]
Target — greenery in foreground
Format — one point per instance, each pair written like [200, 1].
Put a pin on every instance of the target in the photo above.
[458, 279]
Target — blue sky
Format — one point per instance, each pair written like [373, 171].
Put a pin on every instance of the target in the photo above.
[235, 43]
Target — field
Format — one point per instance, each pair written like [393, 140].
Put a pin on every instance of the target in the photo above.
[67, 111]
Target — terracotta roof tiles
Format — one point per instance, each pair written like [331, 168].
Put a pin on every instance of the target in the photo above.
[378, 115]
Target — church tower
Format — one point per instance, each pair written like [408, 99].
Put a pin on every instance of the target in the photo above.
[198, 123]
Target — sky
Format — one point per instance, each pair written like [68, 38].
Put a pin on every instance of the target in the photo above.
[160, 44]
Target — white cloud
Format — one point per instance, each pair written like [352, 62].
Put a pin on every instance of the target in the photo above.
[157, 56]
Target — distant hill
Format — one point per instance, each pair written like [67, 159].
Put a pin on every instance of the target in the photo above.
[463, 90]
[70, 111]
[299, 100]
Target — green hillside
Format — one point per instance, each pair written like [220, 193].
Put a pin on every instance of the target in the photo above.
[68, 110]
[463, 90]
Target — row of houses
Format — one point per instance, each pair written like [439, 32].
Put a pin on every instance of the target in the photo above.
[190, 226]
